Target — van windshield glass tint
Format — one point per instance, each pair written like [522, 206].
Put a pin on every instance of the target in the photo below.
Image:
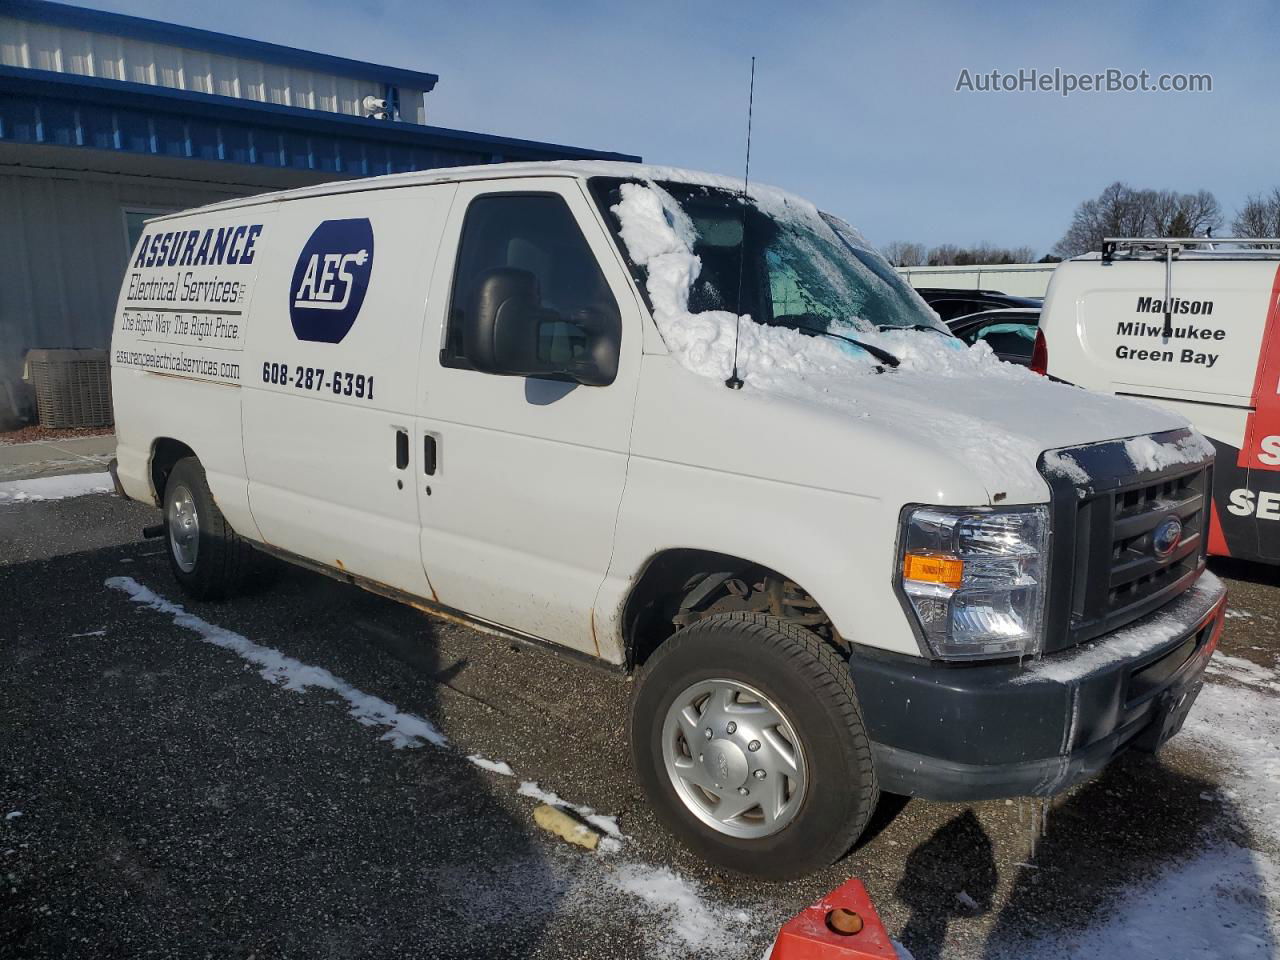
[786, 267]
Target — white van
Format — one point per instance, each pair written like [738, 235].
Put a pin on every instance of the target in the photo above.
[1192, 326]
[707, 436]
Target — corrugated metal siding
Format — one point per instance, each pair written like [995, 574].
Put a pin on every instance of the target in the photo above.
[65, 239]
[69, 50]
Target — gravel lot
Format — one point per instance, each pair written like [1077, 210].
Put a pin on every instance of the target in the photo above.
[160, 798]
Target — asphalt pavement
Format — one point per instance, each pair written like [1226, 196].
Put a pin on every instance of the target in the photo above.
[160, 798]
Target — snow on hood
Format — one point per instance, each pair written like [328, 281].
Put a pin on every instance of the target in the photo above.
[995, 417]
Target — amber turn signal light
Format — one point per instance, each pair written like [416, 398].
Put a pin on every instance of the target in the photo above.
[936, 568]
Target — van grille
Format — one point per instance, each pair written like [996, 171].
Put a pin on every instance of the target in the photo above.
[1107, 535]
[1136, 573]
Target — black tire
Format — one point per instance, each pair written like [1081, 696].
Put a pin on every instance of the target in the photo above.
[222, 556]
[804, 677]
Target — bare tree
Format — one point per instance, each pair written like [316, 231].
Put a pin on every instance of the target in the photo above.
[951, 255]
[1121, 211]
[903, 253]
[1259, 217]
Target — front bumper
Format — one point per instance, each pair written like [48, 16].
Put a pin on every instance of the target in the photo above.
[963, 733]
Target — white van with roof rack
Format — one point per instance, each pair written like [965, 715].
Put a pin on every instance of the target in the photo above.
[885, 562]
[1191, 325]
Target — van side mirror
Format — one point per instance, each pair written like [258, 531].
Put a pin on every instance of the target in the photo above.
[509, 332]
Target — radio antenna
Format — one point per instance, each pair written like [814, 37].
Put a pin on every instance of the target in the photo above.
[735, 382]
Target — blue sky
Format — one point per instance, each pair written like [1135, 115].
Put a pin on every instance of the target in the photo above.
[856, 105]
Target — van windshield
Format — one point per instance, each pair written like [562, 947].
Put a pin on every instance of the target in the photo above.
[784, 266]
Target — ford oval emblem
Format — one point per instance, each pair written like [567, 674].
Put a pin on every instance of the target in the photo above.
[1166, 537]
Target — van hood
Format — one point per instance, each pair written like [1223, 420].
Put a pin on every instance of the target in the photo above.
[993, 419]
[999, 427]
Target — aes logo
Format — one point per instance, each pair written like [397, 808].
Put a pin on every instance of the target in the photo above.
[330, 280]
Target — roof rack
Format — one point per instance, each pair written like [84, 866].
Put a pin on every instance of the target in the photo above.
[1166, 247]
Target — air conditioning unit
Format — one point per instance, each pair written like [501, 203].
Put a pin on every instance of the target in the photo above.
[72, 387]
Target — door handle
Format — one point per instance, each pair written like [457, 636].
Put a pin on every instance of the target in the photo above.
[402, 449]
[429, 454]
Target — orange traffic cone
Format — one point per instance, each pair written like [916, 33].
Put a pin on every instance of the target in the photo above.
[843, 925]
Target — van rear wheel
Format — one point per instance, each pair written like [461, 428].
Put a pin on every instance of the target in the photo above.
[748, 741]
[208, 559]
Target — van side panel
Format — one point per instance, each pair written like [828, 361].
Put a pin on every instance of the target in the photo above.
[1103, 327]
[331, 376]
[177, 348]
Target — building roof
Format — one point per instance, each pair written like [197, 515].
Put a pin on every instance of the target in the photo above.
[157, 31]
[115, 93]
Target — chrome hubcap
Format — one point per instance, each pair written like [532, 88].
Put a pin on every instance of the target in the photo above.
[184, 528]
[733, 758]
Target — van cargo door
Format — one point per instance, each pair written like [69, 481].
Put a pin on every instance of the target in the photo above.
[329, 399]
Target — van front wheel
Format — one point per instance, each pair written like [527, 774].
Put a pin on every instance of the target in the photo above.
[207, 557]
[748, 741]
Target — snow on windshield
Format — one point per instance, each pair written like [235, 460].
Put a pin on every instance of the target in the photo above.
[935, 369]
[660, 237]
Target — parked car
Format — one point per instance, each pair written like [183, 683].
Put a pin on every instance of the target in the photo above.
[706, 437]
[1011, 332]
[1195, 329]
[950, 304]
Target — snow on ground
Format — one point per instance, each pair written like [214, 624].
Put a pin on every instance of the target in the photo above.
[601, 822]
[500, 767]
[402, 729]
[690, 923]
[1244, 671]
[1218, 906]
[54, 488]
[685, 921]
[1219, 903]
[1241, 726]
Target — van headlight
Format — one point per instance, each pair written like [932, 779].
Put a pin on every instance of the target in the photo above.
[975, 579]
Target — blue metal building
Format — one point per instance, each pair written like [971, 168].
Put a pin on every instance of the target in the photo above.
[106, 120]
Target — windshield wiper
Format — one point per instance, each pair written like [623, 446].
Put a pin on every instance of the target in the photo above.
[913, 326]
[884, 356]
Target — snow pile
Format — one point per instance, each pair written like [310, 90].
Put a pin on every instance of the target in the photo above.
[1149, 455]
[54, 488]
[1124, 644]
